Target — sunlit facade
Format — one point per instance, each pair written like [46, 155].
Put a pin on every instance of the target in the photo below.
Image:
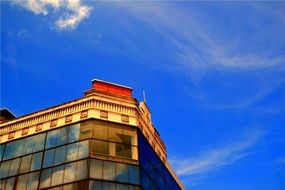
[103, 141]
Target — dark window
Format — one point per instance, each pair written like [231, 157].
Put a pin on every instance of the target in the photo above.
[25, 164]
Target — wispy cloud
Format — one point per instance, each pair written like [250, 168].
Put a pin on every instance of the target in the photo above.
[70, 12]
[213, 159]
[201, 42]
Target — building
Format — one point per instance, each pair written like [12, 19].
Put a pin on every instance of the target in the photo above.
[103, 141]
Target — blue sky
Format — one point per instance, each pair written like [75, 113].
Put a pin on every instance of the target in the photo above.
[213, 72]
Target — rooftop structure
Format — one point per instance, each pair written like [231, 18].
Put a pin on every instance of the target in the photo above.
[104, 140]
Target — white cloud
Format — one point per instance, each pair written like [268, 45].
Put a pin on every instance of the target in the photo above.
[199, 42]
[71, 12]
[215, 158]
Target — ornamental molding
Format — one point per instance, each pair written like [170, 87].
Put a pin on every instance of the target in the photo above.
[67, 110]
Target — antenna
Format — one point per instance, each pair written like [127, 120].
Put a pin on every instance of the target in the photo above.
[144, 99]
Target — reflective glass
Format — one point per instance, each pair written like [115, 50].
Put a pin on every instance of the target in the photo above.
[109, 186]
[57, 175]
[95, 185]
[14, 167]
[19, 147]
[10, 183]
[36, 161]
[33, 181]
[22, 182]
[100, 147]
[108, 170]
[51, 139]
[59, 156]
[96, 169]
[69, 172]
[2, 183]
[122, 187]
[100, 132]
[114, 134]
[83, 149]
[2, 146]
[29, 145]
[45, 178]
[124, 150]
[39, 141]
[71, 153]
[134, 174]
[82, 171]
[73, 133]
[68, 187]
[48, 158]
[9, 150]
[62, 136]
[121, 172]
[5, 169]
[82, 185]
[25, 164]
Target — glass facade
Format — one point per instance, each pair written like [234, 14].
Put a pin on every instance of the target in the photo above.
[94, 155]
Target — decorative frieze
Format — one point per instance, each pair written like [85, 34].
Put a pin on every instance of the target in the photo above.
[68, 118]
[39, 127]
[84, 114]
[25, 131]
[11, 135]
[103, 114]
[53, 123]
[125, 118]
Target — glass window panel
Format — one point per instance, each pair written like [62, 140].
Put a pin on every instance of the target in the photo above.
[48, 158]
[14, 167]
[22, 182]
[73, 134]
[69, 172]
[100, 147]
[68, 187]
[134, 174]
[96, 169]
[95, 185]
[72, 151]
[2, 146]
[19, 147]
[36, 161]
[85, 130]
[10, 184]
[59, 156]
[5, 169]
[39, 142]
[100, 132]
[114, 134]
[57, 175]
[9, 150]
[62, 136]
[83, 149]
[122, 187]
[124, 150]
[109, 186]
[82, 171]
[2, 183]
[33, 181]
[29, 145]
[25, 164]
[132, 133]
[45, 178]
[51, 139]
[82, 185]
[121, 172]
[108, 170]
[132, 187]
